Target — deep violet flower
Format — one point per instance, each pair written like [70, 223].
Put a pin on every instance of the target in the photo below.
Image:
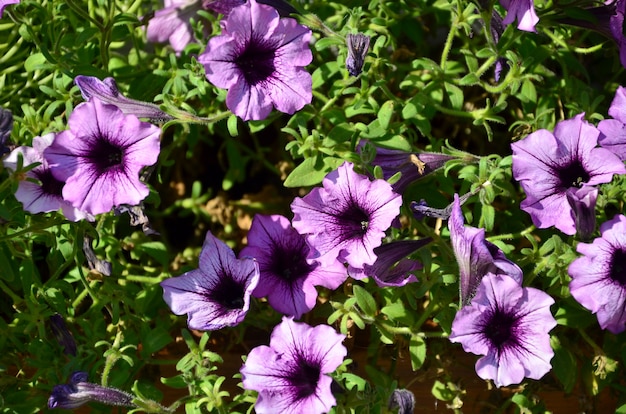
[290, 375]
[4, 3]
[347, 217]
[583, 203]
[358, 45]
[101, 155]
[547, 165]
[78, 392]
[510, 326]
[523, 11]
[286, 278]
[63, 336]
[598, 277]
[106, 90]
[217, 294]
[260, 59]
[476, 256]
[613, 131]
[38, 190]
[392, 268]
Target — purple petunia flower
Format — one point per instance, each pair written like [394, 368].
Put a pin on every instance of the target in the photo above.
[286, 278]
[392, 268]
[172, 23]
[107, 92]
[290, 374]
[523, 11]
[78, 392]
[510, 326]
[583, 203]
[217, 294]
[4, 3]
[613, 131]
[260, 59]
[476, 256]
[598, 277]
[44, 194]
[547, 165]
[346, 218]
[101, 155]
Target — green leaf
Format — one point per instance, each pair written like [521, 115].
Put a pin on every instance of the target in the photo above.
[232, 126]
[469, 79]
[312, 171]
[365, 300]
[564, 365]
[455, 94]
[155, 340]
[385, 113]
[417, 351]
[34, 62]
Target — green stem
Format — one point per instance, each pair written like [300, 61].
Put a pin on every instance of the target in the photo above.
[591, 342]
[32, 229]
[448, 45]
[511, 236]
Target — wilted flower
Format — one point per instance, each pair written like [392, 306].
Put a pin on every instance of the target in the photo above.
[510, 326]
[346, 218]
[78, 392]
[613, 131]
[38, 190]
[476, 256]
[523, 11]
[358, 45]
[6, 127]
[4, 3]
[286, 278]
[547, 165]
[290, 374]
[100, 157]
[583, 203]
[392, 268]
[107, 92]
[260, 59]
[598, 277]
[403, 400]
[217, 294]
[63, 335]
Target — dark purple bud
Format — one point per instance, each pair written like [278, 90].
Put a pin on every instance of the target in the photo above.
[358, 45]
[583, 203]
[403, 400]
[63, 335]
[107, 92]
[79, 392]
[6, 126]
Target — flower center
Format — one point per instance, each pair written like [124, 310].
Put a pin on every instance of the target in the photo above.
[289, 262]
[618, 267]
[106, 155]
[355, 222]
[256, 61]
[228, 293]
[500, 328]
[573, 175]
[49, 184]
[305, 377]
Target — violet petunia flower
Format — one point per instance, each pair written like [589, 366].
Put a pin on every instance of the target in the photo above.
[290, 374]
[217, 294]
[583, 203]
[547, 165]
[106, 90]
[510, 326]
[476, 256]
[260, 59]
[79, 392]
[613, 131]
[38, 190]
[347, 217]
[4, 3]
[523, 11]
[392, 268]
[101, 155]
[598, 277]
[358, 45]
[173, 23]
[286, 278]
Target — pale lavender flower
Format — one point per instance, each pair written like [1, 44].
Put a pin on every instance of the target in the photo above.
[358, 45]
[476, 256]
[613, 131]
[290, 375]
[260, 59]
[523, 11]
[38, 190]
[106, 90]
[172, 23]
[547, 165]
[583, 203]
[217, 294]
[286, 278]
[392, 268]
[222, 6]
[4, 3]
[101, 155]
[510, 326]
[347, 217]
[79, 392]
[598, 277]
